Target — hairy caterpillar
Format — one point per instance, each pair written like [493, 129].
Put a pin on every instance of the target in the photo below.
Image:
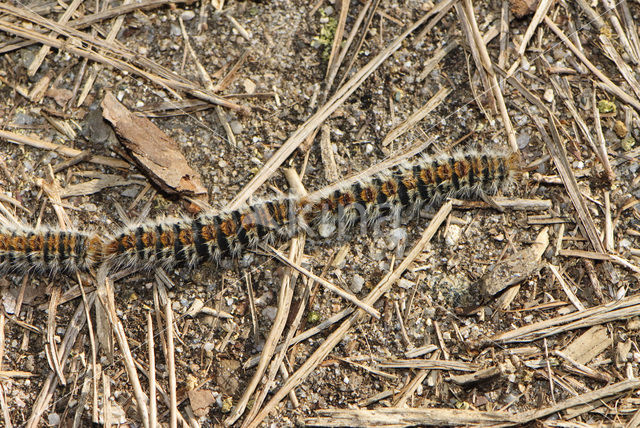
[404, 188]
[48, 250]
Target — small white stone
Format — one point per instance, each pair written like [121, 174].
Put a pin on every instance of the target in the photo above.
[9, 303]
[236, 127]
[405, 283]
[249, 86]
[270, 312]
[454, 232]
[397, 237]
[53, 419]
[356, 283]
[368, 148]
[625, 244]
[188, 15]
[130, 192]
[523, 140]
[548, 95]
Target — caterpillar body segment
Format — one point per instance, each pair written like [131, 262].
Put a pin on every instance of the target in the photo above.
[48, 251]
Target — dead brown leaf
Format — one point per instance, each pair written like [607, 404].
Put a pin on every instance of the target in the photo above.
[156, 154]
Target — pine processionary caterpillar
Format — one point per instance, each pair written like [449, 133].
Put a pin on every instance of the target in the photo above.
[404, 188]
[48, 250]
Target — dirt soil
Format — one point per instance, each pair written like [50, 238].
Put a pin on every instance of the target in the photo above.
[555, 342]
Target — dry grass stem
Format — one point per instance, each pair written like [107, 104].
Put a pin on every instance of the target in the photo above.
[484, 64]
[166, 79]
[332, 71]
[251, 362]
[3, 401]
[566, 173]
[284, 304]
[333, 63]
[285, 297]
[128, 360]
[541, 12]
[627, 20]
[372, 8]
[328, 158]
[326, 284]
[333, 339]
[111, 37]
[319, 117]
[391, 417]
[90, 19]
[600, 256]
[620, 310]
[625, 70]
[402, 416]
[416, 116]
[12, 137]
[602, 144]
[48, 387]
[606, 82]
[612, 14]
[153, 405]
[44, 50]
[504, 35]
[477, 376]
[171, 366]
[505, 203]
[567, 289]
[51, 351]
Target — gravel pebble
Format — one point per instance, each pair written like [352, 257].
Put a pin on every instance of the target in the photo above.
[188, 15]
[396, 237]
[405, 283]
[356, 283]
[270, 312]
[454, 232]
[53, 419]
